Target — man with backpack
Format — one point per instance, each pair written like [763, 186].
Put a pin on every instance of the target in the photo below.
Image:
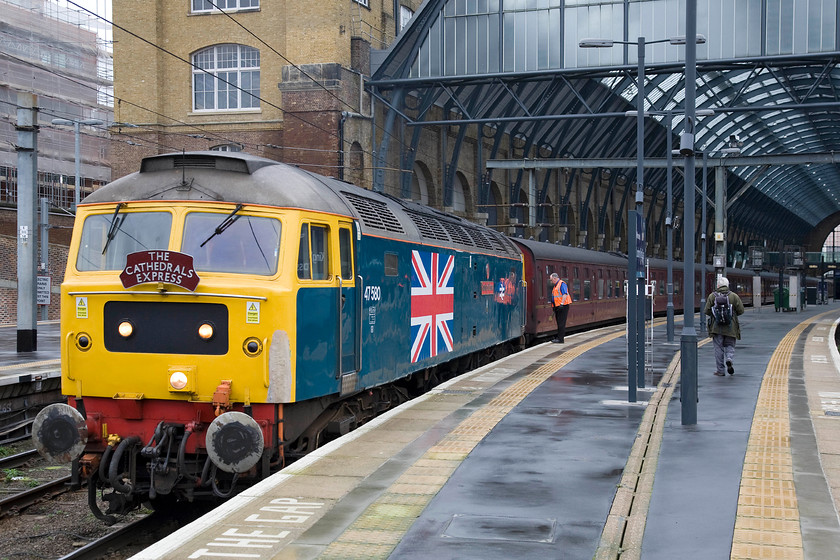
[723, 308]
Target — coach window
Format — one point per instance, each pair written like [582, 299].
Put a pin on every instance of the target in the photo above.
[345, 244]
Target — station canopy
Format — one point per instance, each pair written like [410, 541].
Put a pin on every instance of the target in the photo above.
[767, 70]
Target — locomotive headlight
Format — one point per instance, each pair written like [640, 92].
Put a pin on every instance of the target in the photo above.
[206, 331]
[178, 380]
[126, 329]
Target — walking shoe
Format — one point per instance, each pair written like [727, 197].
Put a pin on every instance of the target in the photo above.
[719, 374]
[555, 340]
[729, 367]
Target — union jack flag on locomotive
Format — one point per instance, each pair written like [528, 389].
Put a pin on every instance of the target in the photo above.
[432, 304]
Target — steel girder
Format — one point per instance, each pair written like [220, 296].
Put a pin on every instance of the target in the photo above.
[775, 104]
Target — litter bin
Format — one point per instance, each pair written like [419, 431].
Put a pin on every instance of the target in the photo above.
[784, 304]
[811, 295]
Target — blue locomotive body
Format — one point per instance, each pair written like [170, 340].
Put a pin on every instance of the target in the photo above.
[414, 306]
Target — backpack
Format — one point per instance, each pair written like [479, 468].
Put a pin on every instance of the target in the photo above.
[722, 309]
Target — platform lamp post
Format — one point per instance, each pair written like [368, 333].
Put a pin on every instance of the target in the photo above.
[669, 209]
[635, 225]
[77, 124]
[688, 337]
[719, 187]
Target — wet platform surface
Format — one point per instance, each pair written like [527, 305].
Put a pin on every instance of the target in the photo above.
[540, 456]
[44, 362]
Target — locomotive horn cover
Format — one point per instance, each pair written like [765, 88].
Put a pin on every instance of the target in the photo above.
[59, 433]
[234, 442]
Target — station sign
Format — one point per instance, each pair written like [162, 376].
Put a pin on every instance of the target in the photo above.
[640, 245]
[43, 287]
[168, 267]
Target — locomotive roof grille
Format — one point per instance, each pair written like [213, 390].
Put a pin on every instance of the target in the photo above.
[478, 238]
[457, 233]
[429, 227]
[374, 214]
[219, 162]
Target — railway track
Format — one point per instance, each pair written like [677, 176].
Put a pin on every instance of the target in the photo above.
[26, 498]
[123, 538]
[17, 460]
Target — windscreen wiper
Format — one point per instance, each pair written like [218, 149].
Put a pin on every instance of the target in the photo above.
[226, 223]
[115, 224]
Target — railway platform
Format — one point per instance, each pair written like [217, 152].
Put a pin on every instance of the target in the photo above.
[28, 380]
[44, 361]
[540, 455]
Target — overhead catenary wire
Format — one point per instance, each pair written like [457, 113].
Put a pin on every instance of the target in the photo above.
[136, 140]
[395, 138]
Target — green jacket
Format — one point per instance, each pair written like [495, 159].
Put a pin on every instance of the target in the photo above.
[734, 327]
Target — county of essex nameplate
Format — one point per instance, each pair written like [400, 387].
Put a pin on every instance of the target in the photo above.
[169, 267]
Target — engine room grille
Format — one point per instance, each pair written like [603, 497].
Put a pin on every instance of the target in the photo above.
[429, 227]
[457, 233]
[478, 238]
[374, 214]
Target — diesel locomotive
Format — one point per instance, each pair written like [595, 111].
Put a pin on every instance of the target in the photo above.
[224, 314]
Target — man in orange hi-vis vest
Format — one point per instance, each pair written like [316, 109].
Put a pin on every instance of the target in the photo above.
[560, 300]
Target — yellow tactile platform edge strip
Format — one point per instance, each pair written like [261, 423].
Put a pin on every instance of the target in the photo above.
[767, 520]
[383, 524]
[31, 365]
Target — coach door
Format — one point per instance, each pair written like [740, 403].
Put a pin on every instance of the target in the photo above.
[348, 304]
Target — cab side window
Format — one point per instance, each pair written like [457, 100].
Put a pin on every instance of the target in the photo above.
[313, 252]
[320, 254]
[345, 245]
[304, 270]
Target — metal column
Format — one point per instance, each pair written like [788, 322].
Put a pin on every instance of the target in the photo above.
[27, 232]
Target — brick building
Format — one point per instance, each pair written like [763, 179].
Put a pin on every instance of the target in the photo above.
[286, 80]
[305, 64]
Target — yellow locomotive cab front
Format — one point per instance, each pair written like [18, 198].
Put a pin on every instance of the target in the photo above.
[162, 328]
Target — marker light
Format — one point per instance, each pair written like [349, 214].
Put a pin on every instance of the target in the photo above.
[252, 346]
[178, 380]
[126, 329]
[83, 342]
[205, 331]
